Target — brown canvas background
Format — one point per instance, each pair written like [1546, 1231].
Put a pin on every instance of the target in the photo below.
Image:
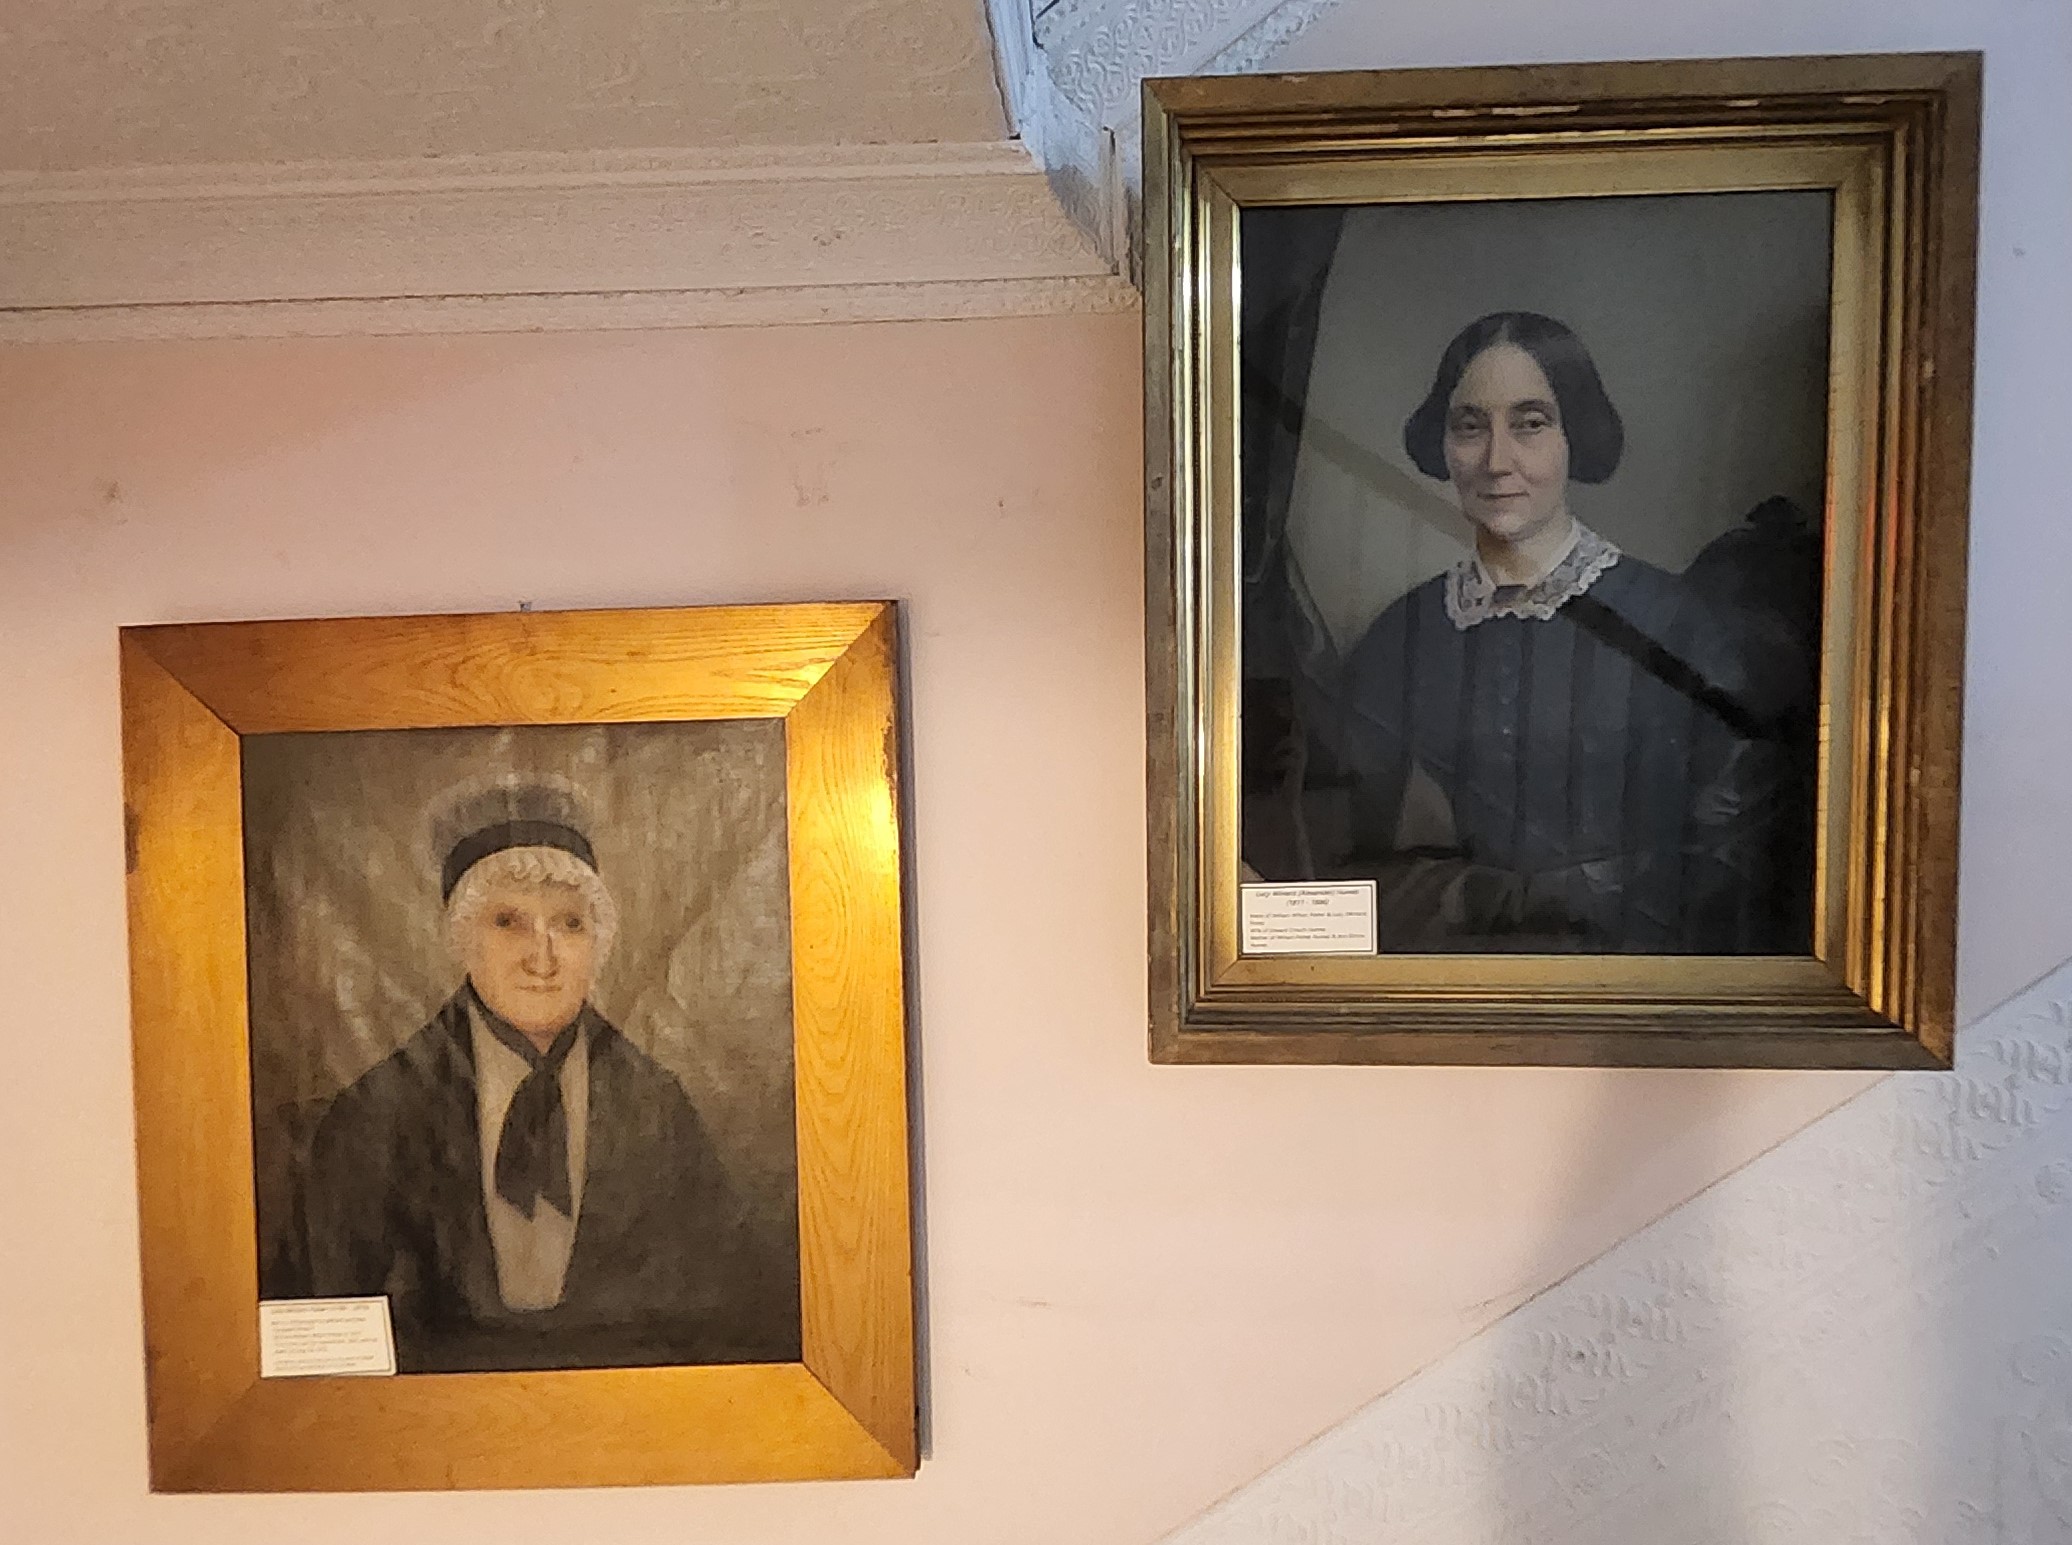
[346, 931]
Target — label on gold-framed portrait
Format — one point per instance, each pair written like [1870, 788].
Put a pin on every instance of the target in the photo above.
[1307, 919]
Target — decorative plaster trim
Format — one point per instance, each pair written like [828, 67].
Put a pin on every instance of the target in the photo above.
[548, 241]
[1072, 73]
[1071, 144]
[1100, 50]
[1267, 37]
[1863, 1335]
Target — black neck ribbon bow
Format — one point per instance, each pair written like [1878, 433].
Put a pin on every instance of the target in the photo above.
[532, 1151]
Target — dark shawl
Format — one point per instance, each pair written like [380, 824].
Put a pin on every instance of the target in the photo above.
[1607, 779]
[665, 1268]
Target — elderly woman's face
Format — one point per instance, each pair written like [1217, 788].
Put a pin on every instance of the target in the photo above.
[1505, 448]
[531, 952]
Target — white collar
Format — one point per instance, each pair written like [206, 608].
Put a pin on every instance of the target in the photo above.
[1473, 595]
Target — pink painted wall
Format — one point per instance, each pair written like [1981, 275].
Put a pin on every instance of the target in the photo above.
[1143, 1285]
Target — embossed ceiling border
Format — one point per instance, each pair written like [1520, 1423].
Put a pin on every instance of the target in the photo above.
[1071, 72]
[543, 242]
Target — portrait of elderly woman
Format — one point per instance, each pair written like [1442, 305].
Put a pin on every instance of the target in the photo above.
[528, 1181]
[1536, 731]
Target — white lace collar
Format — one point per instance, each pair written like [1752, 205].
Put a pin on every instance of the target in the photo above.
[1472, 596]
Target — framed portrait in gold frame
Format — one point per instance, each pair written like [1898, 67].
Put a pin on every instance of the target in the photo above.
[518, 1008]
[1556, 510]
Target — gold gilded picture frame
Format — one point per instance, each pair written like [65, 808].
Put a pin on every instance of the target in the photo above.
[827, 676]
[1888, 147]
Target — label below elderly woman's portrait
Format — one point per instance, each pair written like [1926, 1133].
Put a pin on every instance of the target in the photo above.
[302, 1338]
[1532, 568]
[522, 1044]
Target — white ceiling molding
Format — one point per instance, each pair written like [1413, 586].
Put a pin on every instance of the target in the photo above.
[289, 203]
[542, 241]
[1863, 1335]
[1072, 70]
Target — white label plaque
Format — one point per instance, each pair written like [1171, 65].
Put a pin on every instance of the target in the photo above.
[1308, 919]
[299, 1337]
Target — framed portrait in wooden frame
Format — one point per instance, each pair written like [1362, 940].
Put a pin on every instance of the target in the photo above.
[1556, 510]
[520, 1048]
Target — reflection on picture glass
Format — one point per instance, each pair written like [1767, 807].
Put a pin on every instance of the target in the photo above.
[1533, 566]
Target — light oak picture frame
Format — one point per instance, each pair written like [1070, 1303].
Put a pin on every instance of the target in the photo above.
[830, 674]
[1892, 140]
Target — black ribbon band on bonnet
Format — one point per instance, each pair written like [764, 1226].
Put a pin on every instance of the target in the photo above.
[476, 846]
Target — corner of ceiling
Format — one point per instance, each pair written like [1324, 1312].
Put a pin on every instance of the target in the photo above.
[1071, 71]
[333, 239]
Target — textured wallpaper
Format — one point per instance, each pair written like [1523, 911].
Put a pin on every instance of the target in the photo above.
[1862, 1338]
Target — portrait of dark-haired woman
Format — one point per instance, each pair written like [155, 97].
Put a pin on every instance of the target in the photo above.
[1554, 745]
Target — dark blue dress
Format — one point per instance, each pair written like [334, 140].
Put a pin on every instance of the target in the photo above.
[1620, 773]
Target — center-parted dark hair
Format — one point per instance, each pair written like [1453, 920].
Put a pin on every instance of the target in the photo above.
[1588, 420]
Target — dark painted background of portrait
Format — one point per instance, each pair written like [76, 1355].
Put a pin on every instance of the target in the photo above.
[347, 940]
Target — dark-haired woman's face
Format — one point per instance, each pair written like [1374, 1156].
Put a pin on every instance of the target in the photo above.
[1505, 449]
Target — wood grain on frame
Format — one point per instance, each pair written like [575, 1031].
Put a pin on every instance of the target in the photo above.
[850, 1018]
[188, 693]
[406, 673]
[185, 856]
